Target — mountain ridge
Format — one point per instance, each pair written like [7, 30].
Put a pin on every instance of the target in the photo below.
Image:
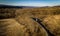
[11, 6]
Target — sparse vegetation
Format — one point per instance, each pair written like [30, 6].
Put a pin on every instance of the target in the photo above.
[20, 23]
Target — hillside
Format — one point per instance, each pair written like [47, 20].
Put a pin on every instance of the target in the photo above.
[19, 22]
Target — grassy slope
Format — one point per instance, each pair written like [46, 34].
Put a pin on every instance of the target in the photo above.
[53, 24]
[49, 16]
[27, 26]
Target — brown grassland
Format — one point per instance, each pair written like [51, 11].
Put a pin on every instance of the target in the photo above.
[18, 22]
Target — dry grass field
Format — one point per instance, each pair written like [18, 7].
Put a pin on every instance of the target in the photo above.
[19, 22]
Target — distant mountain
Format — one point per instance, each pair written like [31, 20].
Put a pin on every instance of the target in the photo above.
[10, 6]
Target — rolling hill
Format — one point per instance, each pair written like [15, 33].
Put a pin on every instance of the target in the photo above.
[19, 22]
